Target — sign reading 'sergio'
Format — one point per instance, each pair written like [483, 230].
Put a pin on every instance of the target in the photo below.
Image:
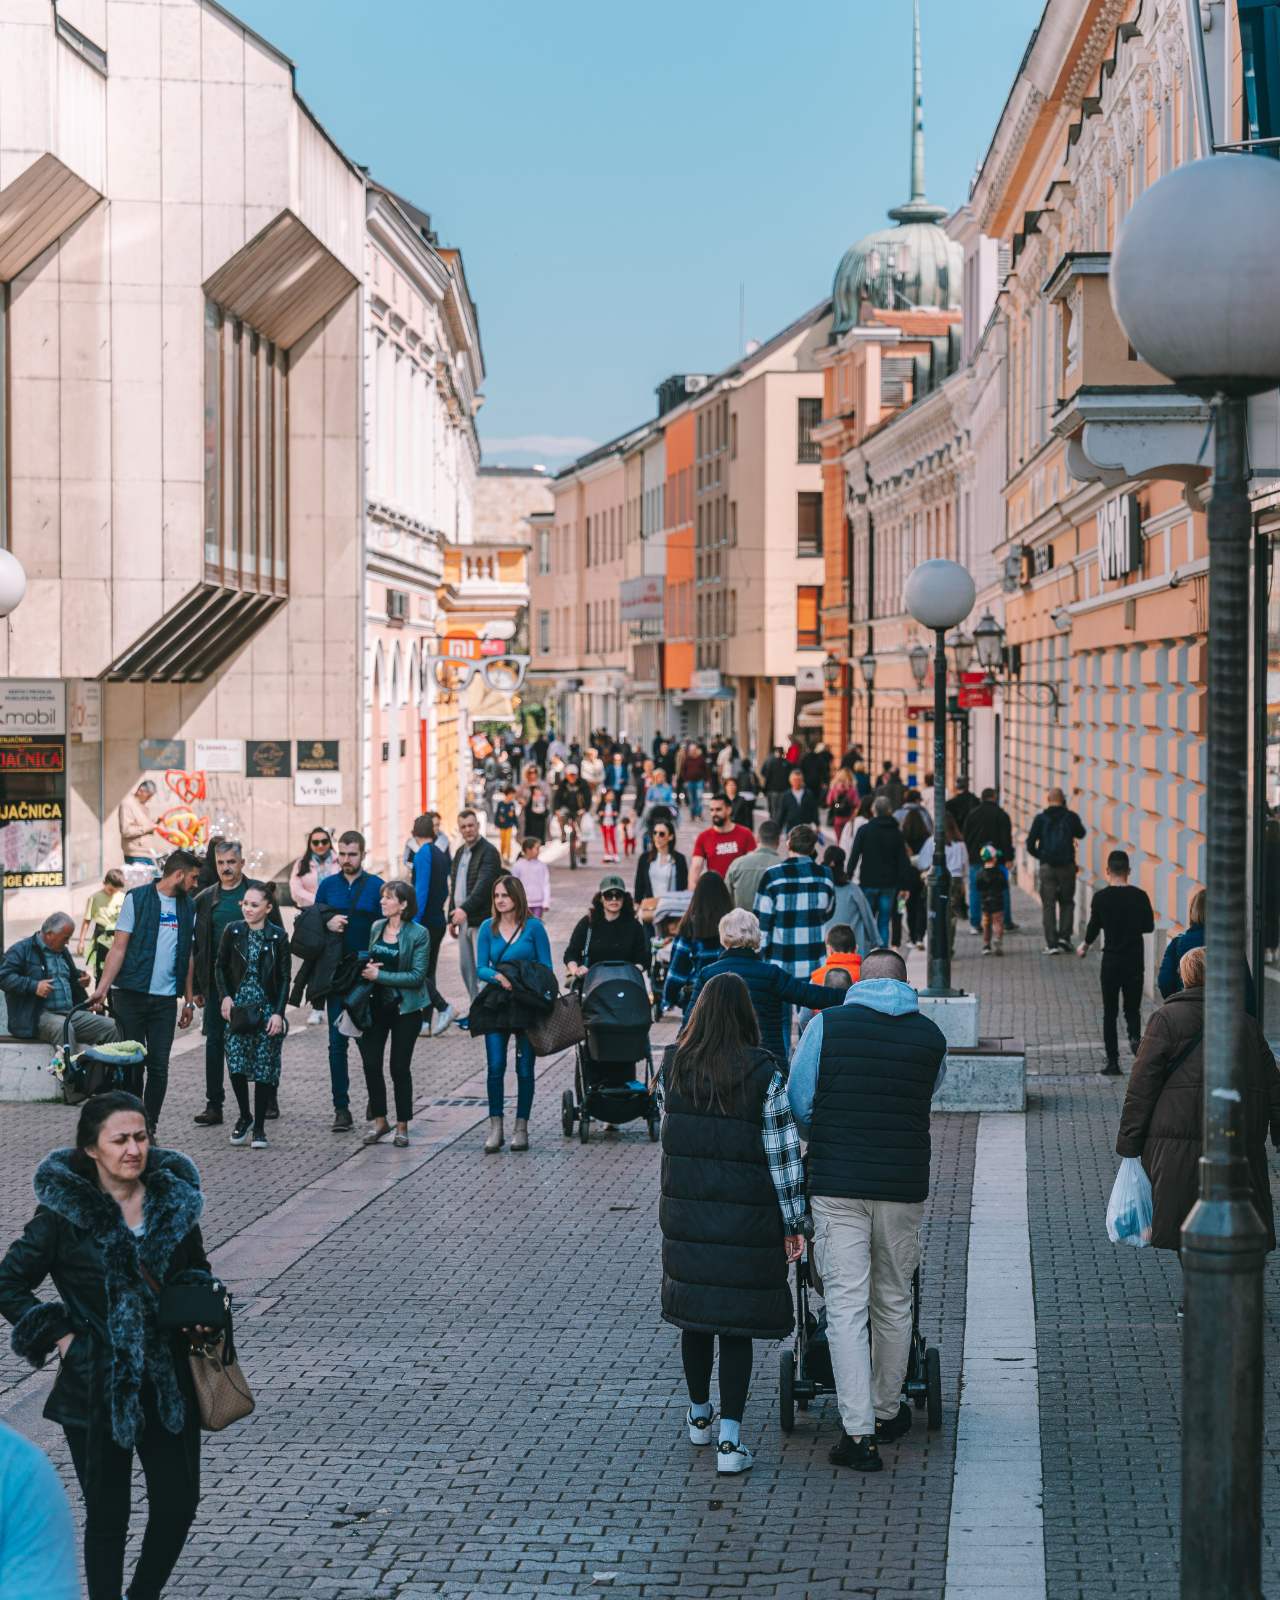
[1119, 536]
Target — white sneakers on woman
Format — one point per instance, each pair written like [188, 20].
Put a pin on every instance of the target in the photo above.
[733, 1457]
[700, 1428]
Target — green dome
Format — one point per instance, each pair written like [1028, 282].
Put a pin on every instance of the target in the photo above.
[913, 266]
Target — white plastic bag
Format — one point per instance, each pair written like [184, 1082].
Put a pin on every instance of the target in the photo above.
[1129, 1208]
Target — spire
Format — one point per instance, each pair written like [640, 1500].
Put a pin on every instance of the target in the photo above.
[917, 209]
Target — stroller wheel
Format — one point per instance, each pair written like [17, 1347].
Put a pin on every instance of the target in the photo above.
[568, 1111]
[584, 1127]
[787, 1389]
[655, 1127]
[933, 1385]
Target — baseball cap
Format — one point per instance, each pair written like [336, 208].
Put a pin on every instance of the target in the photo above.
[611, 880]
[989, 853]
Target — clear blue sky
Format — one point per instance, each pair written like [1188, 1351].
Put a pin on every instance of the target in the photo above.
[613, 173]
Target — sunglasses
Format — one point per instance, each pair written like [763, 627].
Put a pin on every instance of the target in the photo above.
[321, 840]
[612, 894]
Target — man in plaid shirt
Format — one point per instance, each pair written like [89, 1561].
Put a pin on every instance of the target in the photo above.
[794, 902]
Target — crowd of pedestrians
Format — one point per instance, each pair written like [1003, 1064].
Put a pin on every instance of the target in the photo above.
[801, 880]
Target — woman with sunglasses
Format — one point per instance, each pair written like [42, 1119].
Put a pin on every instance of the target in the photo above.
[316, 863]
[610, 931]
[661, 868]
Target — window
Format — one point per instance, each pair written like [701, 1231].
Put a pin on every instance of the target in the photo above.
[1260, 71]
[808, 416]
[544, 635]
[544, 552]
[733, 437]
[245, 456]
[733, 522]
[808, 597]
[808, 524]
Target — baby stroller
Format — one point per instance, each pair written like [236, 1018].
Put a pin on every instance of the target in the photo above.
[615, 1009]
[667, 917]
[805, 1372]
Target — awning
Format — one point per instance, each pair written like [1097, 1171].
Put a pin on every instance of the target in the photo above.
[810, 715]
[708, 694]
[488, 705]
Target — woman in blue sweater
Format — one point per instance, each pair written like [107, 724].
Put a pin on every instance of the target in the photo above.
[509, 934]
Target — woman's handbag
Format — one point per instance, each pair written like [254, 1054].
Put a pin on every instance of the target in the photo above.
[559, 1028]
[246, 1019]
[196, 1299]
[647, 907]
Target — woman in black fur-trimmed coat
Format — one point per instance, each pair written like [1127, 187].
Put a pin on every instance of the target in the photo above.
[108, 1209]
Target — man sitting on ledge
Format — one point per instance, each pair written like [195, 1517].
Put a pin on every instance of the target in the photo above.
[42, 984]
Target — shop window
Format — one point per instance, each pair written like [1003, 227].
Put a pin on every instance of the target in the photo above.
[1260, 71]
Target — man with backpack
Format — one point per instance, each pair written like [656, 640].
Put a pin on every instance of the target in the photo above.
[1052, 842]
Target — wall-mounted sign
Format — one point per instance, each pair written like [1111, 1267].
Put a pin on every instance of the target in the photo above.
[315, 755]
[705, 680]
[317, 788]
[1119, 536]
[919, 713]
[84, 710]
[1041, 560]
[266, 758]
[220, 755]
[33, 783]
[158, 755]
[641, 599]
[809, 678]
[973, 697]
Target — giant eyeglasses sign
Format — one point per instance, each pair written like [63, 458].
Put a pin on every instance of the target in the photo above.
[504, 672]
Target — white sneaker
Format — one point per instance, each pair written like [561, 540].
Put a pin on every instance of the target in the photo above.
[315, 1019]
[1052, 950]
[699, 1427]
[258, 1142]
[733, 1457]
[440, 1022]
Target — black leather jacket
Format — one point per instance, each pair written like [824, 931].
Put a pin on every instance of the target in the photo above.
[274, 964]
[205, 954]
[78, 1239]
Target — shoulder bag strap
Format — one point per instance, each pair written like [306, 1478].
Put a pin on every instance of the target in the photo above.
[1182, 1056]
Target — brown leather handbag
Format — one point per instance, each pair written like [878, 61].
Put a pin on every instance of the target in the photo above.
[223, 1395]
[560, 1028]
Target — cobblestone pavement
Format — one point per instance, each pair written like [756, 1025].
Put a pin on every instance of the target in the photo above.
[465, 1387]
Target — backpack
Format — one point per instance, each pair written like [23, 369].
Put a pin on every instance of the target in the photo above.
[1056, 838]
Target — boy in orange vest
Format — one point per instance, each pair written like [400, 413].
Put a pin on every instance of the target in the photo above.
[842, 957]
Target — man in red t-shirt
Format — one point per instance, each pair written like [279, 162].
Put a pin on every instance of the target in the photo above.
[720, 845]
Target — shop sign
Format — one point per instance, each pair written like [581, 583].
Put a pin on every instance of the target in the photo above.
[84, 710]
[810, 678]
[266, 758]
[705, 680]
[315, 755]
[33, 783]
[220, 755]
[920, 713]
[159, 755]
[641, 599]
[317, 788]
[976, 690]
[1119, 536]
[466, 647]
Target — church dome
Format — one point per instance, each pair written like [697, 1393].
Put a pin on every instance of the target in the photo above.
[913, 266]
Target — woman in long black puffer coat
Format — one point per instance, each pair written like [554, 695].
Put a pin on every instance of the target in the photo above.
[731, 1207]
[1163, 1114]
[112, 1213]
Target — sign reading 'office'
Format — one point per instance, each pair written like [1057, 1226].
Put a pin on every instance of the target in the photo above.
[267, 758]
[33, 783]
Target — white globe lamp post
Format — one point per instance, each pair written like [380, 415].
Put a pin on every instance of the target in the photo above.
[939, 595]
[1193, 286]
[13, 582]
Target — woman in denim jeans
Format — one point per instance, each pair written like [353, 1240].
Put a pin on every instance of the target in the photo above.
[509, 934]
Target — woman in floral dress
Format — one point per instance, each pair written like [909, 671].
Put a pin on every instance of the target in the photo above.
[253, 989]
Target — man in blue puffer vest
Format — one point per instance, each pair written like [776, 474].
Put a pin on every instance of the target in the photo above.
[861, 1081]
[149, 968]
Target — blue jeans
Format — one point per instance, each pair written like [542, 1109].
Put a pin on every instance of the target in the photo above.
[693, 794]
[975, 904]
[495, 1050]
[882, 902]
[339, 1077]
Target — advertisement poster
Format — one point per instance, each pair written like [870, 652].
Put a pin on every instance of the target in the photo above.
[317, 789]
[267, 758]
[33, 784]
[220, 755]
[159, 755]
[316, 755]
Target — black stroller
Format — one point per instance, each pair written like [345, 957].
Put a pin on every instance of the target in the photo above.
[615, 1008]
[805, 1372]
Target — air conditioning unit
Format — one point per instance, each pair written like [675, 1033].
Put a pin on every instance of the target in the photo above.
[397, 605]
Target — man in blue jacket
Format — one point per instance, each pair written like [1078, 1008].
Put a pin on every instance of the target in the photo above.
[431, 889]
[860, 1085]
[354, 897]
[150, 967]
[42, 985]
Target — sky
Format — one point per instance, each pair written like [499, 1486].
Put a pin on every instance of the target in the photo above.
[619, 181]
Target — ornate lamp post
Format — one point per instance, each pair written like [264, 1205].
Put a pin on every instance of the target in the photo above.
[1191, 278]
[867, 667]
[832, 673]
[939, 595]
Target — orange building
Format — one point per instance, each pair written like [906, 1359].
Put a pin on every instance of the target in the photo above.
[678, 648]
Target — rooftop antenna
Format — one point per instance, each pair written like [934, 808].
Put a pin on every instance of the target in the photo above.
[917, 208]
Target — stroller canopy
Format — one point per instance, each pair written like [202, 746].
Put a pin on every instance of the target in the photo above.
[614, 996]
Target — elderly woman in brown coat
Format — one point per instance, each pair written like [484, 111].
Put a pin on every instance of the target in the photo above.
[1163, 1109]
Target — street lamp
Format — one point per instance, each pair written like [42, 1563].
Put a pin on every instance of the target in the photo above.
[867, 667]
[831, 670]
[988, 639]
[939, 595]
[1179, 300]
[961, 650]
[918, 657]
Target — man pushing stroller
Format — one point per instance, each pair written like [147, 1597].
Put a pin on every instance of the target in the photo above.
[861, 1081]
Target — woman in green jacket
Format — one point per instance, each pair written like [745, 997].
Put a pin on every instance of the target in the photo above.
[399, 952]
